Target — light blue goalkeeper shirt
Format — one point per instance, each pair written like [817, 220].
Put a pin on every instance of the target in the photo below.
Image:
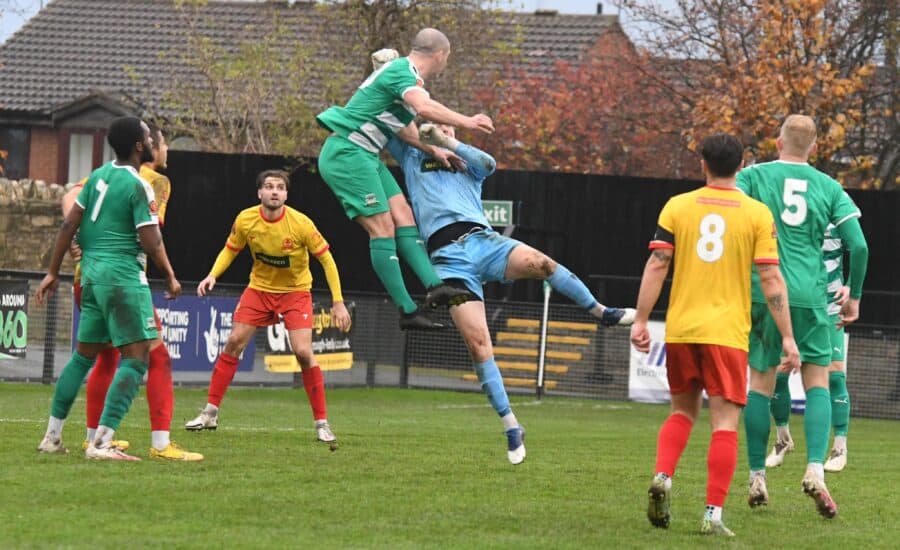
[440, 196]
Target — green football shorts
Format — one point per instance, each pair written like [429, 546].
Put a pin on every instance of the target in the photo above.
[357, 177]
[118, 314]
[837, 339]
[811, 331]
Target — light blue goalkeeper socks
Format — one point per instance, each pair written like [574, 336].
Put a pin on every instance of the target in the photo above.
[566, 283]
[492, 384]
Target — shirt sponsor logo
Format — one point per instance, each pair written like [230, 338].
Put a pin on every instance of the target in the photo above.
[432, 165]
[274, 261]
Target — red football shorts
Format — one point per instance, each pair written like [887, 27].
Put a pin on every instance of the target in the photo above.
[261, 309]
[720, 370]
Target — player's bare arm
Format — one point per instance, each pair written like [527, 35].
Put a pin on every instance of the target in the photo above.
[655, 272]
[436, 112]
[63, 239]
[775, 290]
[152, 243]
[341, 315]
[68, 201]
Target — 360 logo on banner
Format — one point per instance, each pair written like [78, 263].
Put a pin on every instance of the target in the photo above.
[13, 318]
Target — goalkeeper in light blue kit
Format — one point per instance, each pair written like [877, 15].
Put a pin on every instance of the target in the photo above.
[466, 253]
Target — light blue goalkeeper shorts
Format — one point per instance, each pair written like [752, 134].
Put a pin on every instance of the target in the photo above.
[478, 257]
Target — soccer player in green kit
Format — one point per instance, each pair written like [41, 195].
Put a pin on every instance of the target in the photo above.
[115, 214]
[838, 293]
[384, 105]
[803, 202]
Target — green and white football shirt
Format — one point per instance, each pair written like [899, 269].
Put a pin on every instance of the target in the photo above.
[803, 201]
[116, 202]
[377, 110]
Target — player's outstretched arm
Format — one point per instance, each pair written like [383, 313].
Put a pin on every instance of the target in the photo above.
[409, 134]
[152, 243]
[480, 164]
[436, 112]
[654, 276]
[855, 244]
[775, 290]
[63, 239]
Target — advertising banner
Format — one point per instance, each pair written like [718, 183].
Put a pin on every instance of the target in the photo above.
[647, 381]
[331, 347]
[194, 330]
[13, 318]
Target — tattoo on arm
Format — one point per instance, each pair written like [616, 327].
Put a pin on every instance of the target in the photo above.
[776, 302]
[662, 256]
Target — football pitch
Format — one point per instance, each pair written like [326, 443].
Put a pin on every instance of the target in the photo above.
[414, 469]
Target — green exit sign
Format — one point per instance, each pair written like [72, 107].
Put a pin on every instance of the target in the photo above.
[499, 213]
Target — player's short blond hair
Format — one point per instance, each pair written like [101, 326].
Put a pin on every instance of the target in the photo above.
[798, 135]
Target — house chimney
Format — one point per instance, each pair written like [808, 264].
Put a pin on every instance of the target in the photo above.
[599, 8]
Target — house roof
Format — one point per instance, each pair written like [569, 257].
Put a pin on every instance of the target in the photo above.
[73, 48]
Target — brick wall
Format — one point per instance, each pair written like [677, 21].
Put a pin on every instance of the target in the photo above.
[30, 216]
[43, 160]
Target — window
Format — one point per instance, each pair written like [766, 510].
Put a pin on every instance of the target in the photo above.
[81, 154]
[17, 144]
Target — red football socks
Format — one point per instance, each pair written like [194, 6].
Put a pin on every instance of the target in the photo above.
[314, 383]
[223, 373]
[98, 383]
[720, 462]
[673, 438]
[160, 393]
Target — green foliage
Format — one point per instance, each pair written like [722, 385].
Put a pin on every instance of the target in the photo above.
[415, 469]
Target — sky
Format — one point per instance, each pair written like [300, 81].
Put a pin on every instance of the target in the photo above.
[16, 12]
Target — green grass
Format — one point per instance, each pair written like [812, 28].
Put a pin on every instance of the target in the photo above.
[415, 469]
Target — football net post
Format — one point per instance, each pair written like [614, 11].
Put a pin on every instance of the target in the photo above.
[543, 341]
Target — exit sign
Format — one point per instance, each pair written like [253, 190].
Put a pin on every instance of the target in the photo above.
[499, 213]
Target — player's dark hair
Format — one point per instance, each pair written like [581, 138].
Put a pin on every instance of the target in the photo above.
[123, 133]
[281, 174]
[155, 135]
[723, 154]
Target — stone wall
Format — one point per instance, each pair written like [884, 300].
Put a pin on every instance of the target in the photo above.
[30, 216]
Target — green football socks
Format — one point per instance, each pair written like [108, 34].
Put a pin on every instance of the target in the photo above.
[122, 391]
[412, 249]
[70, 380]
[383, 252]
[781, 400]
[840, 403]
[757, 425]
[817, 424]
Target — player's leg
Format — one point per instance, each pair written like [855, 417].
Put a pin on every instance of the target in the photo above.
[224, 370]
[781, 413]
[686, 394]
[92, 337]
[471, 322]
[724, 371]
[411, 247]
[526, 262]
[840, 403]
[130, 321]
[352, 174]
[812, 332]
[161, 403]
[296, 307]
[98, 382]
[764, 357]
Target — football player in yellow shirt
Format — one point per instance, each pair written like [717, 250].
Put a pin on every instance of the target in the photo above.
[280, 240]
[715, 235]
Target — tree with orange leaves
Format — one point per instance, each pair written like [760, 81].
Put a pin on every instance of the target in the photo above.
[740, 67]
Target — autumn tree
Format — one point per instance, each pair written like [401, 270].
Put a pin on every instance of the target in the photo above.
[588, 117]
[740, 66]
[258, 89]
